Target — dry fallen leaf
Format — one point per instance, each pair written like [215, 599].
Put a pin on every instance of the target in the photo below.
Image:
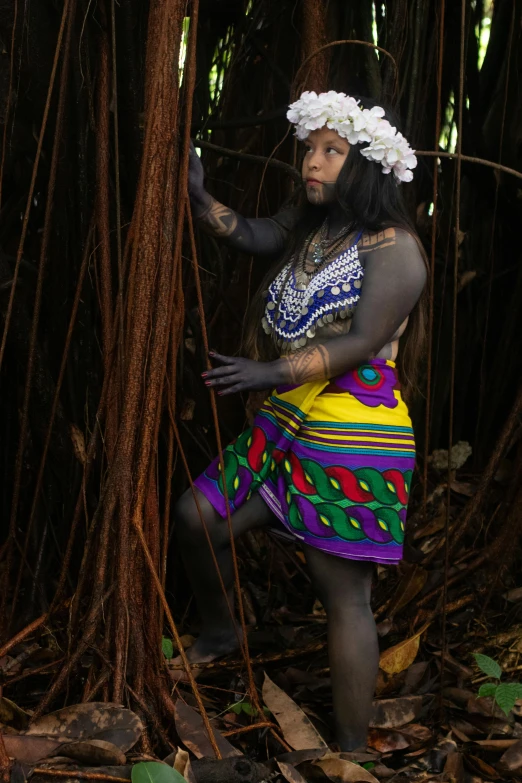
[296, 757]
[513, 595]
[409, 586]
[454, 768]
[434, 525]
[511, 760]
[182, 765]
[93, 720]
[180, 760]
[94, 752]
[290, 773]
[458, 696]
[416, 735]
[392, 713]
[396, 659]
[386, 741]
[298, 730]
[29, 749]
[192, 733]
[495, 745]
[341, 771]
[480, 767]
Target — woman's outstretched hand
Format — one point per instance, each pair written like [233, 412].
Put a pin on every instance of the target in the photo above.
[237, 374]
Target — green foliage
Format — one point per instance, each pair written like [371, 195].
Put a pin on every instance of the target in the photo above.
[504, 694]
[487, 689]
[488, 665]
[154, 772]
[167, 647]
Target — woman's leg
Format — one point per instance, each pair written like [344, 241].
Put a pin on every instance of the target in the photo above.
[344, 587]
[219, 631]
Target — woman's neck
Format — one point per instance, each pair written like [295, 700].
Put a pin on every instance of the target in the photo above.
[337, 219]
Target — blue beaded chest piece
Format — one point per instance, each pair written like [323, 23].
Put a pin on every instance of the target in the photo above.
[295, 310]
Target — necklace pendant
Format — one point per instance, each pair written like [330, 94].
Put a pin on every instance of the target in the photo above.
[317, 256]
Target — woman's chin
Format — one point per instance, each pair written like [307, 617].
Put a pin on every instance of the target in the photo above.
[314, 196]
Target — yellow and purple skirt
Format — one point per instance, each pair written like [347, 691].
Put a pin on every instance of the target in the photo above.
[332, 459]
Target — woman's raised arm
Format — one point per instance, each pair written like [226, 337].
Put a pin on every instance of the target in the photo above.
[260, 236]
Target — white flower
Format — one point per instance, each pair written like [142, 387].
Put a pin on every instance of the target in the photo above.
[342, 113]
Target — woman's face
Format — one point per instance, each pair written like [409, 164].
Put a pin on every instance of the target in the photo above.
[326, 152]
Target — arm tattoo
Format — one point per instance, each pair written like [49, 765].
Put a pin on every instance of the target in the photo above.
[218, 220]
[310, 364]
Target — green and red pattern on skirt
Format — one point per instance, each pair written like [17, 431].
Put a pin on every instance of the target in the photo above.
[332, 459]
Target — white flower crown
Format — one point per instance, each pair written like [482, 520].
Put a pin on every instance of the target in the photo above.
[343, 114]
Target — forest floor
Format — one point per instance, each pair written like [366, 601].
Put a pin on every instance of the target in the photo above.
[457, 719]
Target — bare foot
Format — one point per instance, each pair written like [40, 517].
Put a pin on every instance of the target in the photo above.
[205, 649]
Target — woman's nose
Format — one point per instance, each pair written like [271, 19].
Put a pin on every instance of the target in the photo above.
[313, 161]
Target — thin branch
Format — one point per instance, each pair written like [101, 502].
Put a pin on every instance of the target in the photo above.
[278, 164]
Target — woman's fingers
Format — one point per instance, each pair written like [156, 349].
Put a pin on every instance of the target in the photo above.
[220, 372]
[223, 359]
[237, 387]
[223, 380]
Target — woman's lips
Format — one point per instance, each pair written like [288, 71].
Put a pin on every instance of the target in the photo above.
[313, 182]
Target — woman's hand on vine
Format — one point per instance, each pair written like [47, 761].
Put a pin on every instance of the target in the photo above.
[237, 374]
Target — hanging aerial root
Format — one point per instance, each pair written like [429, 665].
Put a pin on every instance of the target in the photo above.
[102, 213]
[30, 194]
[52, 415]
[239, 596]
[297, 85]
[178, 641]
[314, 36]
[68, 14]
[9, 100]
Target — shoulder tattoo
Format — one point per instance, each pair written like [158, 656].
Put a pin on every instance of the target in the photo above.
[378, 240]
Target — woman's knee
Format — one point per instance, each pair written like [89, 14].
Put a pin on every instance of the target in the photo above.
[342, 584]
[191, 518]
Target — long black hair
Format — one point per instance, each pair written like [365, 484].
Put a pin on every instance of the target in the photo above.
[372, 201]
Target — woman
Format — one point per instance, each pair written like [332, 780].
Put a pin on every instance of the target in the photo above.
[331, 452]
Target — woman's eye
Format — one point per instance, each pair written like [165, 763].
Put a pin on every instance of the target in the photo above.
[331, 149]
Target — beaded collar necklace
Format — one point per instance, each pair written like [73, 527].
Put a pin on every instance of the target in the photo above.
[294, 310]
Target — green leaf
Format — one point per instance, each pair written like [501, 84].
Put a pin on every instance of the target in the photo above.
[154, 772]
[487, 689]
[518, 689]
[237, 707]
[506, 696]
[248, 709]
[369, 765]
[167, 647]
[488, 665]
